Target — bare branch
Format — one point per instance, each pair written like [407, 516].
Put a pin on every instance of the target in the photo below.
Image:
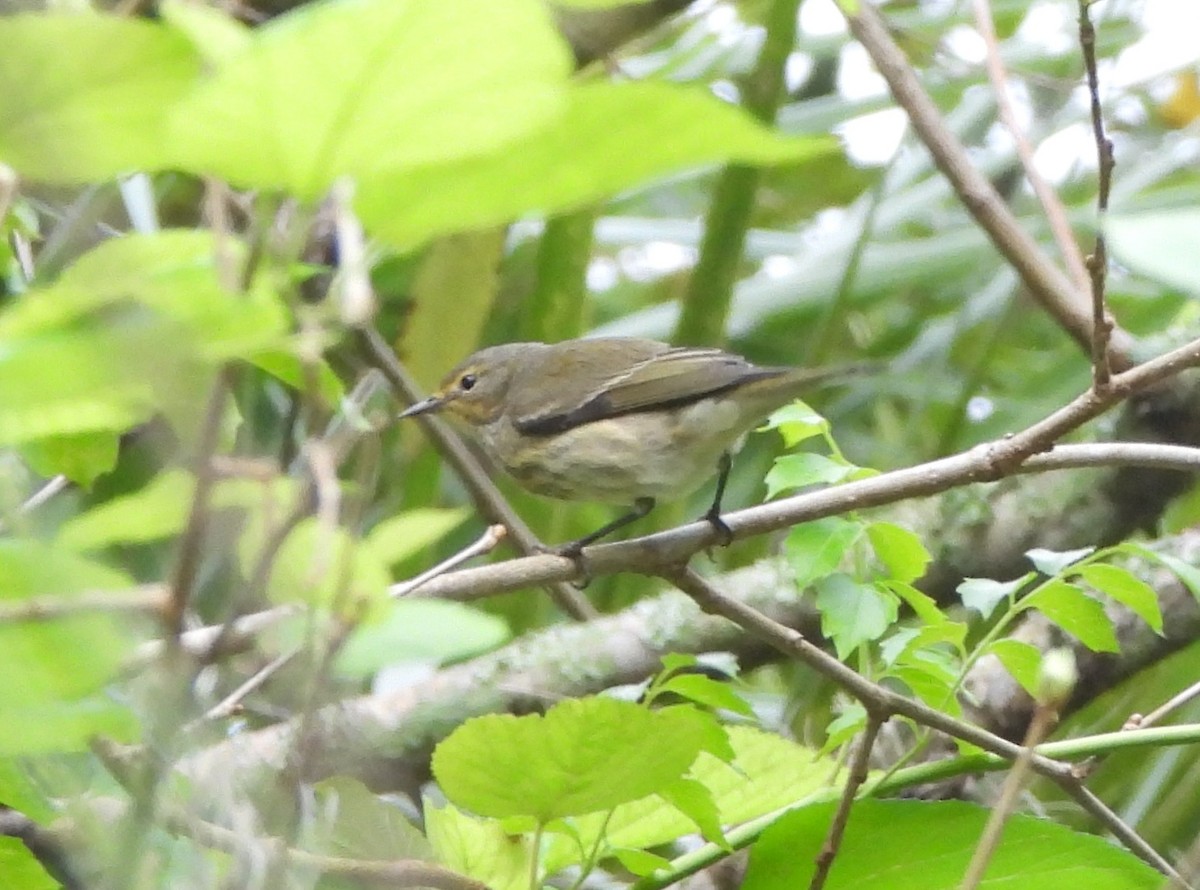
[1047, 284]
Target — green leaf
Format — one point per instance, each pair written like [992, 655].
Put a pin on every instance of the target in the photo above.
[1075, 612]
[406, 535]
[984, 594]
[364, 88]
[900, 551]
[1161, 245]
[216, 35]
[85, 97]
[1022, 660]
[816, 548]
[767, 772]
[797, 423]
[64, 726]
[46, 663]
[918, 845]
[706, 691]
[325, 565]
[1127, 589]
[81, 457]
[792, 471]
[366, 826]
[156, 511]
[639, 862]
[923, 605]
[1050, 562]
[1187, 573]
[853, 613]
[582, 756]
[20, 869]
[420, 630]
[19, 790]
[477, 848]
[696, 802]
[578, 157]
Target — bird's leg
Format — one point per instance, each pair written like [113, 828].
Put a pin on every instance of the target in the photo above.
[640, 508]
[574, 550]
[724, 532]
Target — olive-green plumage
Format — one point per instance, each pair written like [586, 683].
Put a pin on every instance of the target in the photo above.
[617, 420]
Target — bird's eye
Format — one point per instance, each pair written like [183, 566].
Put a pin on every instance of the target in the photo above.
[467, 382]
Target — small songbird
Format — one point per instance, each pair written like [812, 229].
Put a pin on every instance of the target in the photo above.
[617, 420]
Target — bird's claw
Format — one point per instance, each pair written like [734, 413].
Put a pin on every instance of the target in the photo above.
[720, 527]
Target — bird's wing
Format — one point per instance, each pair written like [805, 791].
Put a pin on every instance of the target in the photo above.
[667, 377]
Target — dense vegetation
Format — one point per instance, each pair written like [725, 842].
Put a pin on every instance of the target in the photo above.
[237, 246]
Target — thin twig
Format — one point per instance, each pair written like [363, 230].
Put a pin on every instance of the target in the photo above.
[148, 598]
[876, 698]
[1097, 261]
[1123, 832]
[486, 543]
[1044, 719]
[187, 562]
[1137, 721]
[1047, 284]
[488, 499]
[1056, 214]
[859, 770]
[228, 706]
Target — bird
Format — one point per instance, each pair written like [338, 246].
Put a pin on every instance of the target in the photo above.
[621, 420]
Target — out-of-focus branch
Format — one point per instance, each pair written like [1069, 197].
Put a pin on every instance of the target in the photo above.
[1048, 285]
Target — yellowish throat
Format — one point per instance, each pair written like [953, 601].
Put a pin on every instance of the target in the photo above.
[617, 420]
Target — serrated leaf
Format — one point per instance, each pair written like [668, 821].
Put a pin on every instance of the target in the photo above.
[406, 535]
[576, 158]
[420, 630]
[85, 97]
[900, 550]
[1075, 612]
[478, 848]
[1051, 562]
[1127, 589]
[362, 88]
[984, 594]
[815, 549]
[583, 756]
[768, 772]
[853, 613]
[934, 842]
[792, 471]
[1022, 660]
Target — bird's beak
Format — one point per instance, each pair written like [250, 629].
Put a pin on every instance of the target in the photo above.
[422, 407]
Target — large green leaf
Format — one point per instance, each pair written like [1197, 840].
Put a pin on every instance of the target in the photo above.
[478, 848]
[134, 326]
[583, 756]
[86, 97]
[20, 869]
[51, 666]
[911, 845]
[366, 87]
[610, 137]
